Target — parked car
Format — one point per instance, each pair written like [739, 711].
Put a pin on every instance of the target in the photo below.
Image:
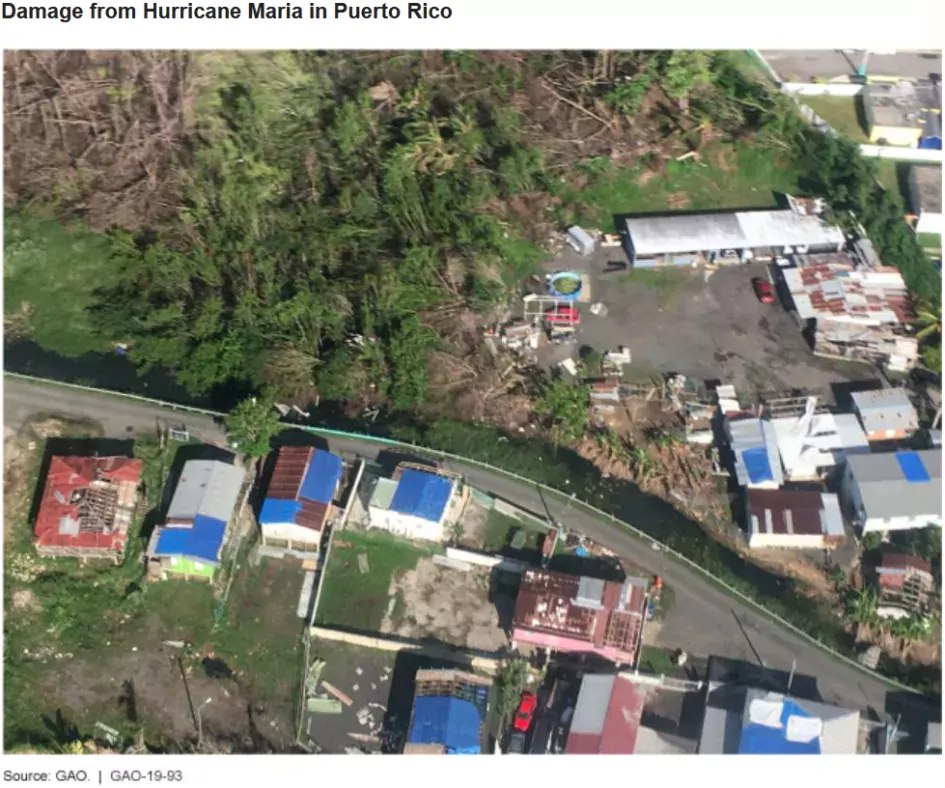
[526, 712]
[763, 290]
[516, 743]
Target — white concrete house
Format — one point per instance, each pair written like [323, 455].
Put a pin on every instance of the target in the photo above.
[415, 506]
[894, 491]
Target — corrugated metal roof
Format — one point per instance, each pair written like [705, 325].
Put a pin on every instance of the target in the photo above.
[885, 409]
[606, 716]
[206, 487]
[738, 230]
[62, 520]
[755, 446]
[794, 512]
[383, 493]
[885, 491]
[902, 562]
[547, 603]
[306, 477]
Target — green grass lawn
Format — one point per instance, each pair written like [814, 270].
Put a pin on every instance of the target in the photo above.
[931, 243]
[729, 177]
[888, 174]
[49, 274]
[360, 601]
[840, 112]
[657, 660]
[500, 529]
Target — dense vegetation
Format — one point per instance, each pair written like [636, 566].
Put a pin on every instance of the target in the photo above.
[320, 222]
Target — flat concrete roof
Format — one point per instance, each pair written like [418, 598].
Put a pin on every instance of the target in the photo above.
[927, 188]
[894, 104]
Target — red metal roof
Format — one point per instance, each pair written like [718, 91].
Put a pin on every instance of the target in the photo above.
[68, 478]
[289, 471]
[546, 604]
[618, 735]
[805, 508]
[902, 562]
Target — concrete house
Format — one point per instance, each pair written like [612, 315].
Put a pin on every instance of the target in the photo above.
[573, 614]
[299, 498]
[414, 504]
[87, 507]
[737, 236]
[906, 585]
[886, 414]
[187, 544]
[794, 518]
[894, 491]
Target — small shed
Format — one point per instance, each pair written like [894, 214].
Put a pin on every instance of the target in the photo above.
[794, 518]
[886, 414]
[580, 240]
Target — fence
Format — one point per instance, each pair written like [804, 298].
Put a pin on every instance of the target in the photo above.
[678, 557]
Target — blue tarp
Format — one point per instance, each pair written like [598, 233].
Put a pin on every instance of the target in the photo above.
[421, 494]
[321, 478]
[757, 465]
[912, 467]
[930, 143]
[276, 511]
[202, 541]
[452, 722]
[762, 740]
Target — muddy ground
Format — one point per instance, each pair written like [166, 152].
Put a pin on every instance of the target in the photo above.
[448, 605]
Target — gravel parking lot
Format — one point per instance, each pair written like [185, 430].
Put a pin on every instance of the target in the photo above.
[676, 321]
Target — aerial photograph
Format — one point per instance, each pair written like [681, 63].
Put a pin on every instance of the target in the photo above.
[472, 402]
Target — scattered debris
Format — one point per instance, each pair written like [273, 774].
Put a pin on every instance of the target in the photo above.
[332, 690]
[323, 705]
[363, 565]
[365, 738]
[598, 308]
[355, 687]
[174, 643]
[569, 366]
[359, 670]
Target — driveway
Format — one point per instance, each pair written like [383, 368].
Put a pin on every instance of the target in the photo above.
[795, 65]
[673, 320]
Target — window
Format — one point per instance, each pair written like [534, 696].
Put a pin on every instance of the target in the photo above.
[198, 566]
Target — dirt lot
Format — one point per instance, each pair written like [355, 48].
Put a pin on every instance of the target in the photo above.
[446, 604]
[675, 321]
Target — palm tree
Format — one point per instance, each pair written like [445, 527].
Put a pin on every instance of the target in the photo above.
[861, 607]
[929, 320]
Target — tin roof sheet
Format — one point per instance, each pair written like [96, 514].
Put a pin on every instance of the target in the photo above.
[206, 487]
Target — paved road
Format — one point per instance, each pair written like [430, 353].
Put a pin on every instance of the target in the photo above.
[703, 620]
[795, 65]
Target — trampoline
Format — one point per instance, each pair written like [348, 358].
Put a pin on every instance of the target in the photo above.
[566, 285]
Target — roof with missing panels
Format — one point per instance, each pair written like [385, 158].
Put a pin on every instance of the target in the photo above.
[303, 484]
[603, 614]
[899, 484]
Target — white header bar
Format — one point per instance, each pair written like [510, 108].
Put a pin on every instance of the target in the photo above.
[471, 24]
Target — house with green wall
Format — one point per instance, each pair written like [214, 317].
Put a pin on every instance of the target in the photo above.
[188, 543]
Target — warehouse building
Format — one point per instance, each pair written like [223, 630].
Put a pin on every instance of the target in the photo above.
[894, 491]
[719, 237]
[795, 519]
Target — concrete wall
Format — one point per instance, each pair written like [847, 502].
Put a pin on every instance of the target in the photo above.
[406, 525]
[902, 154]
[478, 661]
[470, 557]
[930, 222]
[290, 532]
[822, 89]
[900, 136]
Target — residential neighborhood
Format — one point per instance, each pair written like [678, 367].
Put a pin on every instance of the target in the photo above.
[645, 460]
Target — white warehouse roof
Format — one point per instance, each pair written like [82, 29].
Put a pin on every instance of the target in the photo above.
[737, 230]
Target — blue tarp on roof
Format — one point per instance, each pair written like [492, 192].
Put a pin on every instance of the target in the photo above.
[202, 541]
[757, 465]
[912, 467]
[452, 722]
[422, 494]
[321, 478]
[763, 740]
[276, 511]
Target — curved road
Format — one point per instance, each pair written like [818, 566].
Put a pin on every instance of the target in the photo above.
[703, 620]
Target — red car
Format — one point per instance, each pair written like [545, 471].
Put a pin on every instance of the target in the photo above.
[563, 315]
[526, 712]
[763, 290]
